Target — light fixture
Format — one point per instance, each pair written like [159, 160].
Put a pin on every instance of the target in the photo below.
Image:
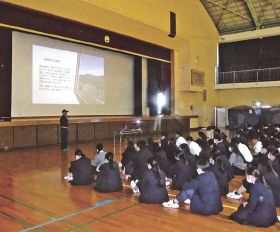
[161, 101]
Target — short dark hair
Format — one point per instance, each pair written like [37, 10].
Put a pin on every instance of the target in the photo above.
[79, 152]
[203, 164]
[189, 138]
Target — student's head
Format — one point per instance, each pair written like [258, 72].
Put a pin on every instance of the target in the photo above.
[273, 152]
[178, 134]
[211, 143]
[78, 154]
[179, 155]
[99, 147]
[189, 139]
[202, 135]
[202, 165]
[163, 135]
[130, 146]
[152, 162]
[140, 145]
[217, 138]
[154, 146]
[252, 174]
[185, 148]
[64, 112]
[109, 156]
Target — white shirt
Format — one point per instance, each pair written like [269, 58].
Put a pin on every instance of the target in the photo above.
[180, 141]
[257, 148]
[195, 149]
[244, 150]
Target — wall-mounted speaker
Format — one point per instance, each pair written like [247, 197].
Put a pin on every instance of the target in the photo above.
[172, 33]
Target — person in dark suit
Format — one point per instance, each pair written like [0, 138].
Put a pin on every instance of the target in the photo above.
[221, 175]
[260, 209]
[64, 129]
[81, 169]
[152, 184]
[109, 179]
[164, 140]
[180, 171]
[190, 158]
[202, 192]
[142, 156]
[128, 158]
[161, 158]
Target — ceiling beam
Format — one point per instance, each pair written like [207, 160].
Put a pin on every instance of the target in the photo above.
[222, 14]
[253, 14]
[229, 10]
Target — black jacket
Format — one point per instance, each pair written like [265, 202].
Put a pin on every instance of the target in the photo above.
[180, 173]
[206, 197]
[142, 157]
[109, 179]
[274, 184]
[82, 171]
[221, 179]
[260, 210]
[163, 162]
[150, 191]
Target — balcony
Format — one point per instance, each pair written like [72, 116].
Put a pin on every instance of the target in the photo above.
[268, 77]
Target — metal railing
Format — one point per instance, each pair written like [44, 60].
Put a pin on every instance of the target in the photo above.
[253, 75]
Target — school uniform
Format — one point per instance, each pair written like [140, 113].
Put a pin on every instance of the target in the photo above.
[127, 158]
[227, 166]
[204, 194]
[192, 162]
[274, 184]
[163, 162]
[180, 173]
[82, 171]
[222, 179]
[150, 191]
[276, 166]
[195, 149]
[109, 179]
[142, 157]
[260, 210]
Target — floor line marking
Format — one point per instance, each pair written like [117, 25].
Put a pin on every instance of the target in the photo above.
[36, 209]
[96, 205]
[104, 216]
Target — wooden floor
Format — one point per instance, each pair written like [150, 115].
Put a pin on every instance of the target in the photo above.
[34, 197]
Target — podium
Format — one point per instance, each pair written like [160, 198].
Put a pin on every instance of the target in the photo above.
[123, 134]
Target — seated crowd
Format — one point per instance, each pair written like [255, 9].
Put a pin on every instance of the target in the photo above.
[201, 170]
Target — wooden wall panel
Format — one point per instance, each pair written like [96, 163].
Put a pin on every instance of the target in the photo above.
[47, 134]
[85, 131]
[101, 130]
[6, 137]
[72, 133]
[115, 127]
[25, 136]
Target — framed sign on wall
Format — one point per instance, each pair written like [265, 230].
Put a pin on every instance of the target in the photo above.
[197, 78]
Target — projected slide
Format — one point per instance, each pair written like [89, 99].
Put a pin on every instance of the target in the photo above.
[65, 77]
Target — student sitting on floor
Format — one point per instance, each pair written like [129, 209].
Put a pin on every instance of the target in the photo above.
[109, 179]
[81, 170]
[180, 171]
[152, 184]
[260, 209]
[221, 175]
[203, 192]
[99, 158]
[128, 159]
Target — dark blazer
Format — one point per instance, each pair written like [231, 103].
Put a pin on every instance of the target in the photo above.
[180, 173]
[274, 184]
[260, 210]
[276, 166]
[163, 162]
[192, 162]
[206, 197]
[127, 157]
[221, 179]
[82, 171]
[109, 179]
[142, 157]
[164, 144]
[150, 192]
[227, 166]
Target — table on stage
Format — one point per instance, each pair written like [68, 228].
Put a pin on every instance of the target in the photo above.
[126, 132]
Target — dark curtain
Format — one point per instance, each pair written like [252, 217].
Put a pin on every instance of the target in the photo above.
[159, 80]
[137, 86]
[5, 72]
[250, 54]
